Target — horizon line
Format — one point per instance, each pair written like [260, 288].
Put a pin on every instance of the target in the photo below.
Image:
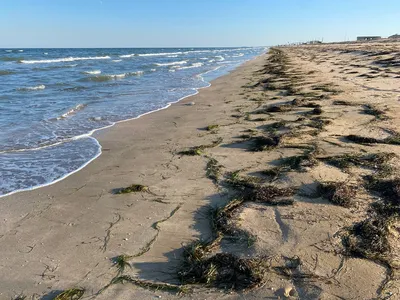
[186, 47]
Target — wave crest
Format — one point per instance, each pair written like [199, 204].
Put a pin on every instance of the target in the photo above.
[101, 78]
[127, 55]
[195, 65]
[32, 88]
[94, 72]
[72, 111]
[65, 59]
[172, 63]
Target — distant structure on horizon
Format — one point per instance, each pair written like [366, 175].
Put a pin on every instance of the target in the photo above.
[368, 38]
[394, 36]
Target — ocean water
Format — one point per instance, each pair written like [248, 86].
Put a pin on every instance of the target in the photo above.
[52, 100]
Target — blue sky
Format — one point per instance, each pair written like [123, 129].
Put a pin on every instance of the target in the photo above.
[192, 23]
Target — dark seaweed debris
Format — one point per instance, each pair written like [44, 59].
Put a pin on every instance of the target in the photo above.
[222, 270]
[339, 193]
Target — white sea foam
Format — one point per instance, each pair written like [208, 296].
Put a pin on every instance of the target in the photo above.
[173, 63]
[172, 54]
[239, 55]
[230, 50]
[72, 111]
[33, 88]
[220, 58]
[195, 65]
[211, 60]
[8, 50]
[107, 77]
[118, 76]
[20, 50]
[127, 55]
[45, 53]
[160, 54]
[153, 70]
[226, 62]
[117, 60]
[65, 59]
[94, 72]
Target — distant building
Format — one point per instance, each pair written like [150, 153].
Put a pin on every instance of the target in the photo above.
[394, 36]
[368, 38]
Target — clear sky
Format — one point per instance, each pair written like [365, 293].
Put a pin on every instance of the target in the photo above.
[191, 23]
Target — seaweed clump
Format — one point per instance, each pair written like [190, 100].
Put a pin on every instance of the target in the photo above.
[389, 189]
[213, 128]
[338, 193]
[318, 122]
[262, 143]
[134, 188]
[378, 162]
[370, 237]
[344, 103]
[213, 170]
[223, 226]
[71, 294]
[121, 262]
[392, 140]
[271, 195]
[222, 270]
[300, 163]
[199, 150]
[220, 218]
[316, 111]
[278, 108]
[373, 111]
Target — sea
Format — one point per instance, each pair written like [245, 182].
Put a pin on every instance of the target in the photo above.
[53, 100]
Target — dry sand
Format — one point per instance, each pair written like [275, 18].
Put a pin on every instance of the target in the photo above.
[66, 235]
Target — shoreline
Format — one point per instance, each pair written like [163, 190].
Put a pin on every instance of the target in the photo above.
[98, 131]
[277, 168]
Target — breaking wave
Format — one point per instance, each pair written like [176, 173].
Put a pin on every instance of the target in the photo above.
[33, 88]
[127, 55]
[172, 63]
[101, 78]
[195, 65]
[94, 72]
[65, 59]
[72, 111]
[160, 54]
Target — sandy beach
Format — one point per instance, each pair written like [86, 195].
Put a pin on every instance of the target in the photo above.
[284, 169]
